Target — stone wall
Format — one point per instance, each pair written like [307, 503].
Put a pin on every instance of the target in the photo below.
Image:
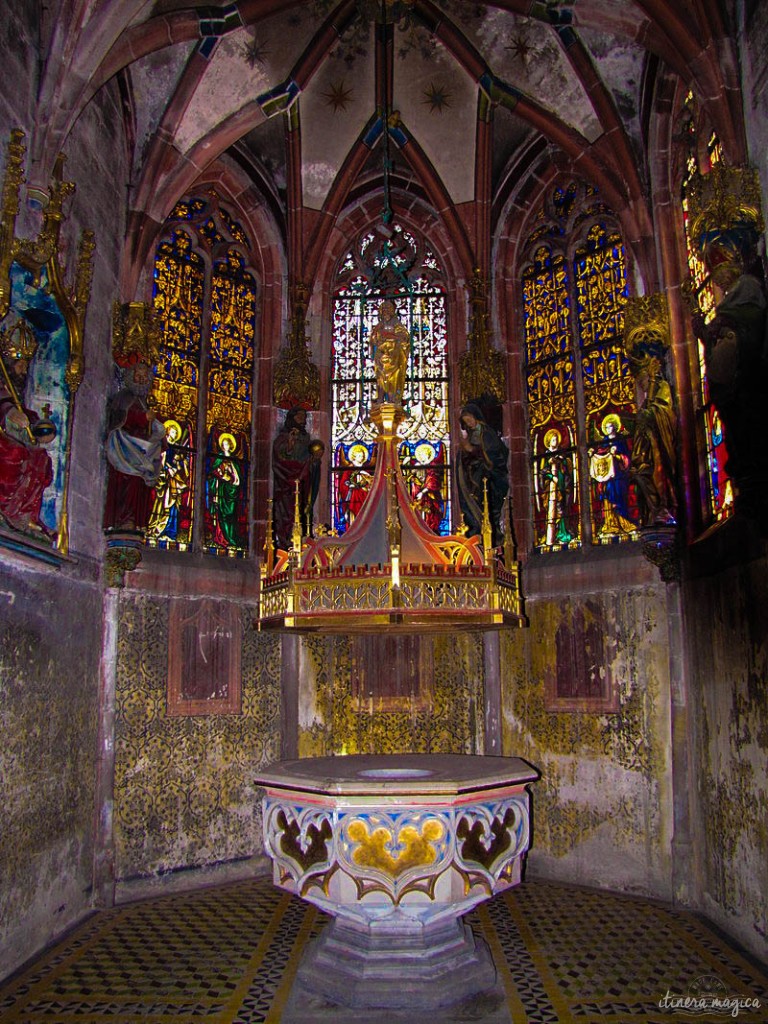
[98, 163]
[18, 37]
[754, 77]
[49, 669]
[603, 805]
[50, 617]
[727, 622]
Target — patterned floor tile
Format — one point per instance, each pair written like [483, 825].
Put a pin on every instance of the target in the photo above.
[564, 955]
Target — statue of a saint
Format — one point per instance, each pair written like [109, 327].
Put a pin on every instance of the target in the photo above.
[295, 457]
[481, 466]
[654, 452]
[135, 443]
[737, 364]
[25, 466]
[390, 345]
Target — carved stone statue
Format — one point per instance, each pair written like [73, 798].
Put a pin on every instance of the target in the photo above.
[390, 344]
[135, 442]
[737, 373]
[295, 457]
[654, 451]
[481, 466]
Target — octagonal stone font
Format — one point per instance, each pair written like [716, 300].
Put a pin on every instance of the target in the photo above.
[396, 848]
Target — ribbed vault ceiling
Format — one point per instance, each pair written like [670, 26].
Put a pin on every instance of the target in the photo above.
[571, 79]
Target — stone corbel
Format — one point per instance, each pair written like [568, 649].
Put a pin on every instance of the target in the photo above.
[122, 556]
[661, 546]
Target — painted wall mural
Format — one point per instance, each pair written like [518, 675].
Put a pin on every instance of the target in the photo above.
[603, 804]
[183, 790]
[47, 391]
[346, 706]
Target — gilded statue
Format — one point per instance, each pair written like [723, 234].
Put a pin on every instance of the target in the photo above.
[390, 345]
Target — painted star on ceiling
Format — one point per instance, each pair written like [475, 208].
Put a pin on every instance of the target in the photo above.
[255, 53]
[520, 47]
[436, 97]
[338, 95]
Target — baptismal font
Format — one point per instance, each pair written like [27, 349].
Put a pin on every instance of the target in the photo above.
[396, 848]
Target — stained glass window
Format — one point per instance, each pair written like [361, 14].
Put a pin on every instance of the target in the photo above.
[580, 390]
[608, 386]
[403, 269]
[551, 399]
[718, 486]
[207, 311]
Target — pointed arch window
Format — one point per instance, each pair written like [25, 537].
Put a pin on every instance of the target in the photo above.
[580, 391]
[718, 491]
[404, 269]
[205, 298]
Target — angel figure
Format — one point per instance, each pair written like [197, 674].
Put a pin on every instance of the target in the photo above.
[354, 482]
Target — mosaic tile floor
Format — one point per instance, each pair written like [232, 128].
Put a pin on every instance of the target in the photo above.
[229, 955]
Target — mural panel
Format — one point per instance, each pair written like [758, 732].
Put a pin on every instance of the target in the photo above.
[730, 656]
[347, 708]
[603, 804]
[183, 790]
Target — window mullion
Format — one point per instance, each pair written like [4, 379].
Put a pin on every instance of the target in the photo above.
[585, 497]
[202, 413]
